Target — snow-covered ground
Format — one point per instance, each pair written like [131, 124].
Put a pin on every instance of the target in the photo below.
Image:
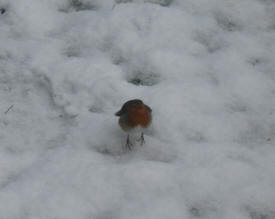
[205, 67]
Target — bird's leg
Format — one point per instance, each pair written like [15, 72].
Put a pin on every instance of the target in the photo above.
[142, 141]
[128, 143]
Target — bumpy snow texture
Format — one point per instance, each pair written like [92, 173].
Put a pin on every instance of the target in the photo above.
[205, 67]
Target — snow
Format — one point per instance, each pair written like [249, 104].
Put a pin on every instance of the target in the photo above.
[205, 67]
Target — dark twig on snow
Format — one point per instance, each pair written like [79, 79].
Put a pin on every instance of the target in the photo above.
[8, 109]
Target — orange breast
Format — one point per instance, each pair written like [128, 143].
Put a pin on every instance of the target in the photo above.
[140, 117]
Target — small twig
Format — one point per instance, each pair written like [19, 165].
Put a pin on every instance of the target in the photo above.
[9, 109]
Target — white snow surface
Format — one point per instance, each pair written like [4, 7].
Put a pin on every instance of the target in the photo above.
[205, 67]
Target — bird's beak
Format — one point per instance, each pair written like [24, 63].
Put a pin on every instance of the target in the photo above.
[118, 113]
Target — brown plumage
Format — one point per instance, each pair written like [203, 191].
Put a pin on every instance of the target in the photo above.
[134, 114]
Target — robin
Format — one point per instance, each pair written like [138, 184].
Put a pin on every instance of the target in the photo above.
[132, 115]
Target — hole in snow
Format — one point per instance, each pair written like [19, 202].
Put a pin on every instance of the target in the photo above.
[95, 109]
[144, 79]
[164, 3]
[261, 215]
[195, 212]
[72, 52]
[226, 23]
[77, 5]
[237, 106]
[110, 150]
[255, 61]
[210, 40]
[2, 10]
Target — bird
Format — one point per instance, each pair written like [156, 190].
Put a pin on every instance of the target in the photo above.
[134, 115]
